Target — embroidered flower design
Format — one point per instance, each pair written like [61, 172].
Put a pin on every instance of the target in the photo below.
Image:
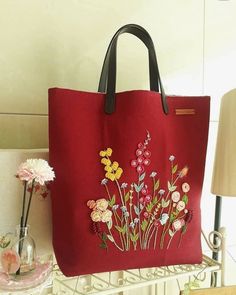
[145, 212]
[185, 187]
[175, 196]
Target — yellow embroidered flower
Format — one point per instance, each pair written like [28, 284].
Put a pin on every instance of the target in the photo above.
[108, 168]
[105, 161]
[102, 154]
[115, 165]
[108, 152]
[118, 173]
[110, 176]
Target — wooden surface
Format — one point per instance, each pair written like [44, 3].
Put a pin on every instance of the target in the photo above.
[214, 291]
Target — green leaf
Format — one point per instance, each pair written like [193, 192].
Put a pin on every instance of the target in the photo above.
[136, 237]
[174, 169]
[103, 245]
[138, 188]
[109, 224]
[104, 236]
[154, 201]
[149, 207]
[171, 233]
[120, 229]
[136, 210]
[112, 201]
[127, 197]
[156, 186]
[144, 224]
[172, 217]
[142, 176]
[165, 204]
[185, 199]
[110, 238]
[184, 229]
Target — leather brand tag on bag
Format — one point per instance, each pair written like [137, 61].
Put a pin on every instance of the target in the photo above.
[185, 111]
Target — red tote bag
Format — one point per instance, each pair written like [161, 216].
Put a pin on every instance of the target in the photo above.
[129, 171]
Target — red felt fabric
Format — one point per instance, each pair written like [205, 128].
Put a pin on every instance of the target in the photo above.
[78, 130]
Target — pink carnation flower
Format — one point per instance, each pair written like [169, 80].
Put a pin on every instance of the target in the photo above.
[37, 170]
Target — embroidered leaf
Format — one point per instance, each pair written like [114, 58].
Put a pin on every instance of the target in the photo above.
[126, 196]
[141, 186]
[157, 183]
[141, 177]
[172, 217]
[165, 204]
[174, 169]
[136, 210]
[171, 188]
[144, 224]
[120, 229]
[112, 201]
[124, 229]
[141, 207]
[136, 187]
[109, 224]
[171, 233]
[103, 245]
[134, 237]
[104, 236]
[154, 201]
[184, 229]
[185, 199]
[110, 238]
[149, 207]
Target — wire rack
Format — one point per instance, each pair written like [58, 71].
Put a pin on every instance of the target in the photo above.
[119, 281]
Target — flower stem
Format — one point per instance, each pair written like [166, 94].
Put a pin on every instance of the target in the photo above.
[29, 203]
[23, 206]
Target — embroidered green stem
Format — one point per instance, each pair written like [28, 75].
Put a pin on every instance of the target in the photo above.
[115, 215]
[110, 233]
[170, 240]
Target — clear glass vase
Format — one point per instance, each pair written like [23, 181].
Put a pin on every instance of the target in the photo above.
[24, 245]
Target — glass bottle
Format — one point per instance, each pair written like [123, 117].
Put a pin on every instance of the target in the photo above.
[24, 245]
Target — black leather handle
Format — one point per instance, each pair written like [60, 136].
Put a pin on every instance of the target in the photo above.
[107, 82]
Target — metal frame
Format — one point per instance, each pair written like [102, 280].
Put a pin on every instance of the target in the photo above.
[120, 281]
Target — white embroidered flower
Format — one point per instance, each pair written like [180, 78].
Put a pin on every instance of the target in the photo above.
[104, 181]
[164, 218]
[161, 192]
[96, 216]
[185, 187]
[171, 158]
[177, 224]
[124, 185]
[101, 204]
[175, 196]
[106, 216]
[153, 174]
[180, 206]
[37, 170]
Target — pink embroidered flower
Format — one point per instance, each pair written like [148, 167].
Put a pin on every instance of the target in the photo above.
[177, 224]
[146, 214]
[140, 160]
[140, 146]
[146, 162]
[185, 187]
[35, 169]
[10, 261]
[91, 204]
[101, 204]
[106, 216]
[134, 163]
[180, 206]
[148, 198]
[144, 190]
[141, 200]
[175, 196]
[96, 216]
[139, 152]
[147, 154]
[140, 169]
